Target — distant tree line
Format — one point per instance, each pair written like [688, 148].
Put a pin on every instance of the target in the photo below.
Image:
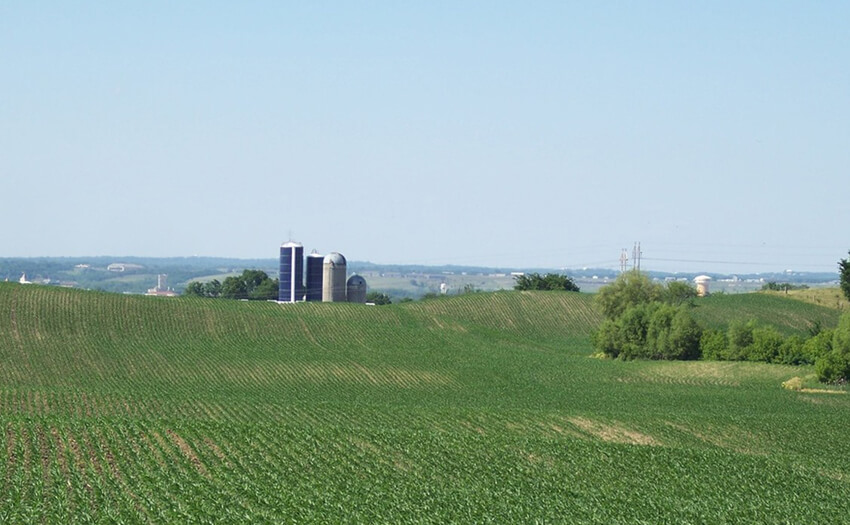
[378, 298]
[252, 285]
[550, 281]
[773, 286]
[645, 320]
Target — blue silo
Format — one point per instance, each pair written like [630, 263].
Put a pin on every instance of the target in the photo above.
[313, 291]
[291, 273]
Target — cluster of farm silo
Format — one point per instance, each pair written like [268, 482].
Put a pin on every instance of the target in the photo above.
[325, 278]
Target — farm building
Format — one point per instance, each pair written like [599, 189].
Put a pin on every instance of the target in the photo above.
[325, 277]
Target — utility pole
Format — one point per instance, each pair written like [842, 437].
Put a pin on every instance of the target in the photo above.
[624, 260]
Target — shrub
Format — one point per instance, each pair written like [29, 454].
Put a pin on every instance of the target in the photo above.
[378, 298]
[607, 338]
[678, 292]
[740, 337]
[765, 346]
[658, 332]
[630, 289]
[634, 326]
[550, 281]
[791, 352]
[713, 345]
[818, 346]
[650, 330]
[835, 365]
[685, 336]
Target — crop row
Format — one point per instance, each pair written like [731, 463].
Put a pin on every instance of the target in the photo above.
[136, 471]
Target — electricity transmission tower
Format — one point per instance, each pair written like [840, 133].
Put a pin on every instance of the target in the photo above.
[636, 254]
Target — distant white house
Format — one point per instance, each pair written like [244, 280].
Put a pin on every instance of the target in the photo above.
[23, 279]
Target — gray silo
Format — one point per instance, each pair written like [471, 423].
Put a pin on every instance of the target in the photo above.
[356, 289]
[291, 273]
[333, 278]
[314, 276]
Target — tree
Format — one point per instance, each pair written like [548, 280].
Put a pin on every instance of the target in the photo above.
[194, 289]
[469, 288]
[713, 345]
[608, 339]
[844, 275]
[267, 290]
[234, 288]
[630, 289]
[378, 298]
[740, 338]
[252, 284]
[678, 292]
[834, 367]
[550, 281]
[199, 289]
[685, 337]
[212, 288]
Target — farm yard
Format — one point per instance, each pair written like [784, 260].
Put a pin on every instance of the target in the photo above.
[484, 407]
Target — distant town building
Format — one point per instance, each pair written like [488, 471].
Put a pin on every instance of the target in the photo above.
[161, 289]
[23, 279]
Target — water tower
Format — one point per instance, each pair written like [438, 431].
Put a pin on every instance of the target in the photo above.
[702, 284]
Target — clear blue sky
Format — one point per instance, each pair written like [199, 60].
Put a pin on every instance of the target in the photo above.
[545, 134]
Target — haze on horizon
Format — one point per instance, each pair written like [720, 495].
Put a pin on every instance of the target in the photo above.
[551, 134]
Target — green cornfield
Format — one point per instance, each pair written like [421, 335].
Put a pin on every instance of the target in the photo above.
[481, 408]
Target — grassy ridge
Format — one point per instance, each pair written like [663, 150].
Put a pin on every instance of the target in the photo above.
[483, 407]
[788, 316]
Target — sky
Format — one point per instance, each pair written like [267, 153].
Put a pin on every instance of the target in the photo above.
[511, 134]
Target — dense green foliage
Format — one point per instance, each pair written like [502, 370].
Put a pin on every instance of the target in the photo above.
[550, 281]
[650, 331]
[833, 366]
[474, 408]
[773, 286]
[628, 290]
[844, 276]
[378, 298]
[678, 292]
[647, 320]
[252, 284]
[211, 289]
[642, 323]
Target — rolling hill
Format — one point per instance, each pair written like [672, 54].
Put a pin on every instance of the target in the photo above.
[476, 408]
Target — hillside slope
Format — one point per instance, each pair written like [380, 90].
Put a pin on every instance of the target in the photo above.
[788, 315]
[484, 407]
